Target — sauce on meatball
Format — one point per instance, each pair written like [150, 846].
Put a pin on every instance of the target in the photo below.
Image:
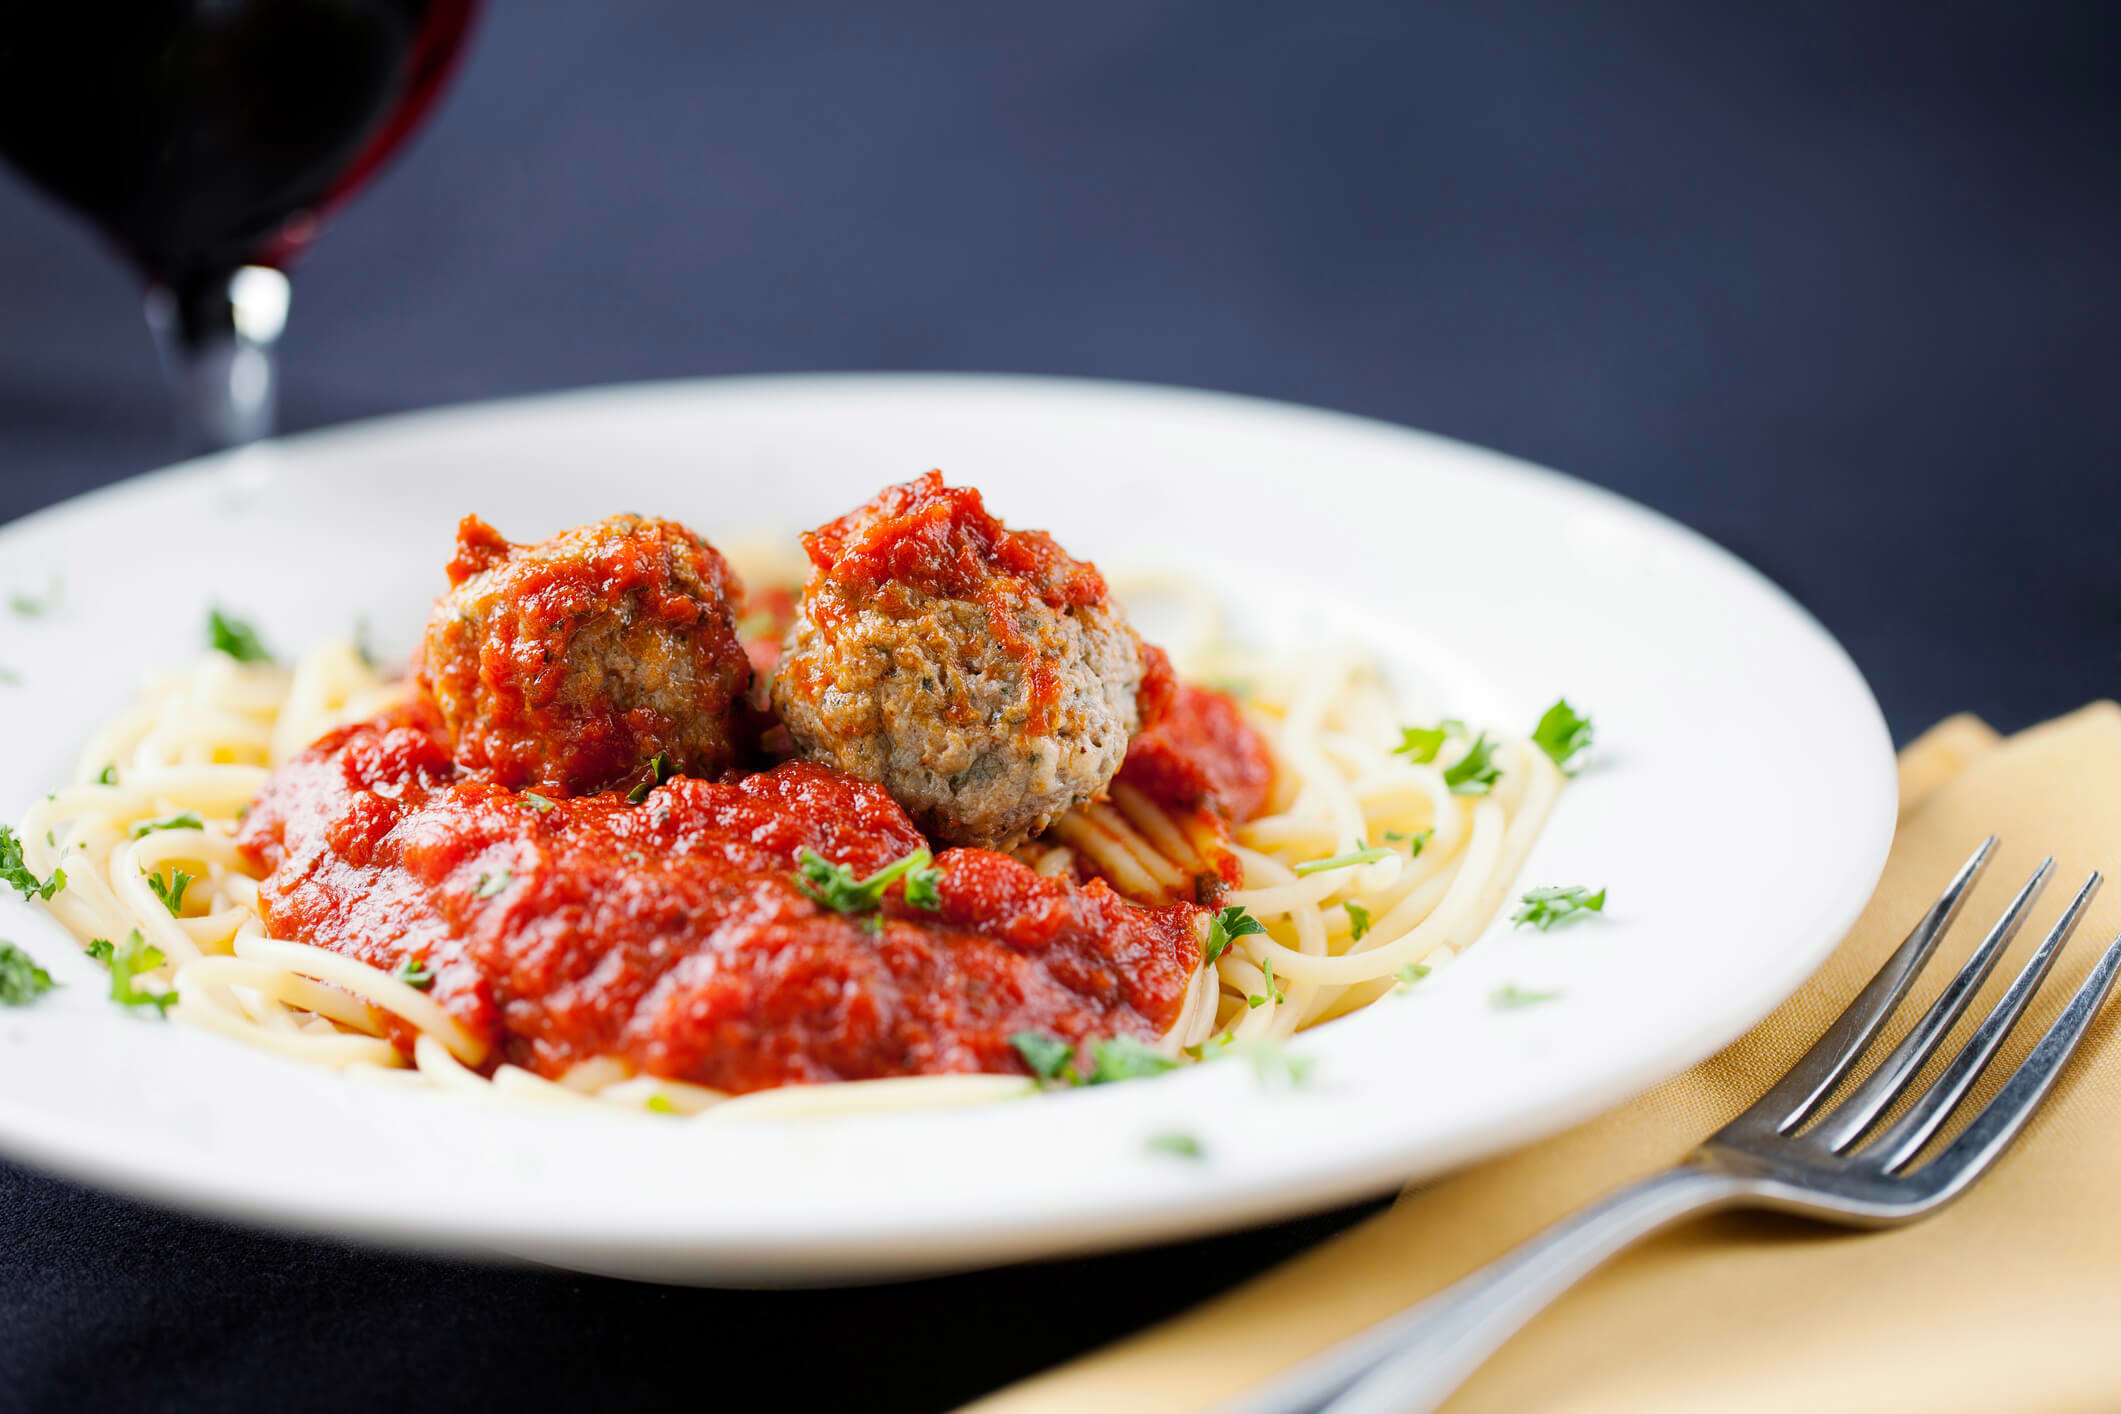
[567, 664]
[979, 674]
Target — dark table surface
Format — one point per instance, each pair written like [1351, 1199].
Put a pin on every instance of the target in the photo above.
[1834, 284]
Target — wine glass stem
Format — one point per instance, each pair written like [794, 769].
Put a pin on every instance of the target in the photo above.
[217, 334]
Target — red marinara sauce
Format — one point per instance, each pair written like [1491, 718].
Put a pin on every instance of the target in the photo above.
[671, 934]
[1200, 752]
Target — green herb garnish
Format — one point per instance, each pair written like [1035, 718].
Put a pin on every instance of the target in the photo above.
[182, 820]
[15, 873]
[414, 973]
[171, 892]
[1415, 842]
[835, 886]
[236, 638]
[1410, 974]
[537, 802]
[1543, 908]
[1048, 1056]
[1510, 996]
[491, 884]
[660, 1104]
[1256, 1001]
[1363, 853]
[1474, 773]
[108, 776]
[1562, 734]
[127, 961]
[1275, 1065]
[1226, 928]
[21, 980]
[35, 606]
[1420, 743]
[1124, 1058]
[1358, 921]
[1176, 1145]
[659, 771]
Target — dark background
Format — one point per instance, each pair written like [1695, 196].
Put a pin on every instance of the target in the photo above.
[1835, 284]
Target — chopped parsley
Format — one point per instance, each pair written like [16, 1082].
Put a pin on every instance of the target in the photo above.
[1048, 1056]
[15, 873]
[236, 638]
[659, 771]
[537, 802]
[1361, 854]
[21, 980]
[171, 892]
[1226, 928]
[1474, 773]
[1113, 1059]
[660, 1104]
[108, 776]
[1415, 842]
[491, 884]
[1275, 1065]
[36, 606]
[1410, 974]
[1358, 921]
[182, 820]
[414, 973]
[1562, 734]
[1543, 908]
[1176, 1145]
[1510, 996]
[127, 961]
[1420, 743]
[1256, 1001]
[835, 886]
[1124, 1058]
[10, 676]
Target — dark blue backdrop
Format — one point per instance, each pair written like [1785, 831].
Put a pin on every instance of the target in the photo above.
[1834, 284]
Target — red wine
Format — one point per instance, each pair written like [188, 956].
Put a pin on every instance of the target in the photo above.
[204, 135]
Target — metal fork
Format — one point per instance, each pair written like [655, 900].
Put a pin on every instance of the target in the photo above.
[1765, 1158]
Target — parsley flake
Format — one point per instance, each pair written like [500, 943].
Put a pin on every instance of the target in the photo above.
[1474, 773]
[1562, 735]
[660, 1104]
[1256, 1001]
[108, 776]
[659, 771]
[1358, 921]
[1410, 974]
[1124, 1058]
[1419, 743]
[182, 820]
[127, 961]
[835, 886]
[1363, 853]
[236, 638]
[36, 606]
[21, 980]
[1510, 996]
[171, 892]
[15, 873]
[491, 884]
[1226, 928]
[1176, 1145]
[1275, 1066]
[537, 802]
[414, 973]
[1415, 842]
[1048, 1056]
[1543, 908]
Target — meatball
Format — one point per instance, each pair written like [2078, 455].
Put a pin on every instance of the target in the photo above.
[569, 664]
[979, 674]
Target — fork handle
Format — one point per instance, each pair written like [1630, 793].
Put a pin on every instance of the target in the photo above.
[1410, 1363]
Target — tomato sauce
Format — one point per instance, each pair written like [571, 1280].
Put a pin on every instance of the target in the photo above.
[671, 934]
[1200, 751]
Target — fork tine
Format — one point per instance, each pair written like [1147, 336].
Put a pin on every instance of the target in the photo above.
[1905, 1138]
[1792, 1099]
[2000, 1121]
[1847, 1121]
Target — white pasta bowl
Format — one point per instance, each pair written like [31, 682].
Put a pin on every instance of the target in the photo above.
[1738, 812]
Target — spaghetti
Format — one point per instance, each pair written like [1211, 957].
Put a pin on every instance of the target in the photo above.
[1365, 869]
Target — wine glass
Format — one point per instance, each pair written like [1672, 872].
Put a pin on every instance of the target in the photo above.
[208, 139]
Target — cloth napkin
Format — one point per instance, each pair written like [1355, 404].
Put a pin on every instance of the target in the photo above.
[2008, 1300]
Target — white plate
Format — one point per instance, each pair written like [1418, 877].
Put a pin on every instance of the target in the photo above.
[1740, 815]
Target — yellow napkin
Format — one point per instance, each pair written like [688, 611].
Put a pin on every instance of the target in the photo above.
[2009, 1300]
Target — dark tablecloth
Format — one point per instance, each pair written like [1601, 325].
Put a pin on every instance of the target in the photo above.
[1834, 284]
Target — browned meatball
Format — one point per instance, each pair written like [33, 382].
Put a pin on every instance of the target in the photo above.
[568, 664]
[977, 673]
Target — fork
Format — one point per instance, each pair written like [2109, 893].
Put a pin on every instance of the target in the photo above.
[1765, 1158]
